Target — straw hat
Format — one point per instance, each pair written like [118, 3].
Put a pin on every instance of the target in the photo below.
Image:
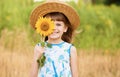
[55, 6]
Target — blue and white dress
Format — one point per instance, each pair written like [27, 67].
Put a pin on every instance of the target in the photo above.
[57, 62]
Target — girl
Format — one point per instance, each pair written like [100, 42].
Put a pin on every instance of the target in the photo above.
[61, 59]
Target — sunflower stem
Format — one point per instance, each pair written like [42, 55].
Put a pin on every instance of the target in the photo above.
[43, 41]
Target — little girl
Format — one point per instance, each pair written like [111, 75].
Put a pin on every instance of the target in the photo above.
[61, 58]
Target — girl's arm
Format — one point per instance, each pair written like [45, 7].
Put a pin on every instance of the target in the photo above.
[38, 51]
[74, 62]
[34, 69]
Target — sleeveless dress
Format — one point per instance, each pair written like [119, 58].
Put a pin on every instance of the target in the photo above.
[57, 62]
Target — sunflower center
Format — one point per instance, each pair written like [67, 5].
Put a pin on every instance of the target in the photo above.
[44, 26]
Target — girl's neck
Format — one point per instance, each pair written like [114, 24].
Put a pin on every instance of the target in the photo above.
[52, 41]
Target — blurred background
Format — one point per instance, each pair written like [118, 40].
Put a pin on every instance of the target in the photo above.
[97, 38]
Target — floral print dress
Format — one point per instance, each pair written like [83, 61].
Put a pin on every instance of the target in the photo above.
[57, 62]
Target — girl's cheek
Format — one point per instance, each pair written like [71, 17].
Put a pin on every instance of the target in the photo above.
[55, 26]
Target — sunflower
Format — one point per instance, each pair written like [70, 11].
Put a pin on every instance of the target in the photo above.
[44, 26]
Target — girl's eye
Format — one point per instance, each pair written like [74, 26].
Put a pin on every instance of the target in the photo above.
[58, 24]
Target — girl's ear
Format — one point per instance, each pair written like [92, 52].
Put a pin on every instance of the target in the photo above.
[66, 28]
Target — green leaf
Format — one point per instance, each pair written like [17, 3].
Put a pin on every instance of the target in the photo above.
[49, 45]
[41, 60]
[43, 44]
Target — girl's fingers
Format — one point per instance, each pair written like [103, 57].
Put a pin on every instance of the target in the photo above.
[38, 52]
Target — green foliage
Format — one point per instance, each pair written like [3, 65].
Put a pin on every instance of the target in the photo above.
[99, 27]
[14, 13]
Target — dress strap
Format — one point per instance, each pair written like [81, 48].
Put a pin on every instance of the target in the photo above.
[69, 50]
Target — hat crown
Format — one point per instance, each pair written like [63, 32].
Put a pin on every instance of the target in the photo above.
[55, 6]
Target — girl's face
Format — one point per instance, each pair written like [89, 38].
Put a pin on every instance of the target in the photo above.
[60, 28]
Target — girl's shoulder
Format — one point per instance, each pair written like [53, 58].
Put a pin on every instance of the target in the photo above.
[70, 44]
[72, 47]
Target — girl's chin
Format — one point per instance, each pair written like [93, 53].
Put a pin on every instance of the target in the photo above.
[53, 37]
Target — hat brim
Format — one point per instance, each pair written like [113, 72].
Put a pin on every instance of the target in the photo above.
[49, 7]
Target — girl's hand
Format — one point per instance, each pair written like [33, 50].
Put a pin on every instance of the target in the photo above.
[38, 51]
